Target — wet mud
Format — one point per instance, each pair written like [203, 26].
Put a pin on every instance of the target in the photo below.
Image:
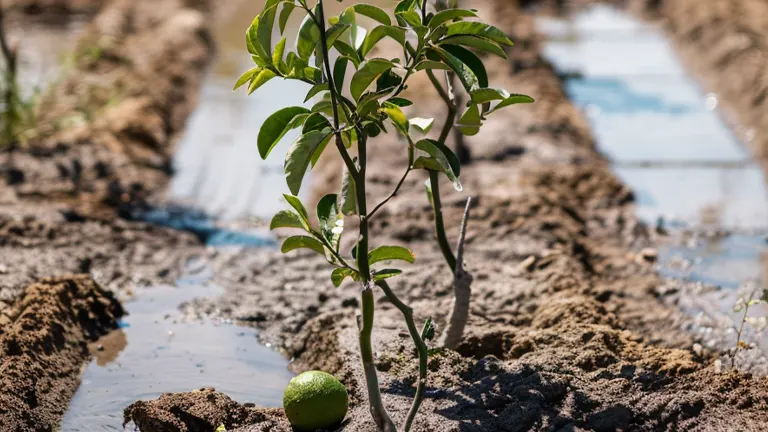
[567, 330]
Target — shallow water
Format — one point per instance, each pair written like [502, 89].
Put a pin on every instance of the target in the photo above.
[668, 142]
[159, 350]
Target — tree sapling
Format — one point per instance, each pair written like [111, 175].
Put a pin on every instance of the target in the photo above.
[432, 39]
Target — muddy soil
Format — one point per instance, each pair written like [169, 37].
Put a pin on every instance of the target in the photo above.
[102, 146]
[566, 330]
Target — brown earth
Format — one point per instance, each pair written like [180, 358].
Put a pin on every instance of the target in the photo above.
[102, 146]
[566, 331]
[43, 341]
[53, 7]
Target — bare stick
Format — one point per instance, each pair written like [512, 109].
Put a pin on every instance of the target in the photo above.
[462, 288]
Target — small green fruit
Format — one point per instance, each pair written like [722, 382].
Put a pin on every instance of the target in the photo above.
[315, 400]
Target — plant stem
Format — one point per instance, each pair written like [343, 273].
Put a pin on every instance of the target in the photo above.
[437, 205]
[320, 22]
[421, 347]
[741, 328]
[462, 290]
[392, 195]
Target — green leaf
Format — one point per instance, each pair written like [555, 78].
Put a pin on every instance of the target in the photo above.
[346, 50]
[386, 274]
[441, 159]
[379, 33]
[338, 276]
[449, 15]
[302, 242]
[277, 56]
[388, 253]
[246, 77]
[348, 195]
[512, 100]
[476, 43]
[463, 72]
[333, 33]
[340, 72]
[396, 115]
[431, 64]
[317, 88]
[479, 29]
[255, 48]
[373, 12]
[331, 220]
[405, 5]
[470, 59]
[259, 80]
[295, 202]
[287, 219]
[308, 37]
[470, 122]
[266, 24]
[401, 102]
[369, 71]
[315, 122]
[319, 150]
[299, 156]
[285, 14]
[410, 17]
[275, 128]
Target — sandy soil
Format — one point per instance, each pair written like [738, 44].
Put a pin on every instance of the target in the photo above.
[566, 331]
[135, 80]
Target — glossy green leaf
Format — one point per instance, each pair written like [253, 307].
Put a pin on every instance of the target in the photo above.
[397, 116]
[277, 55]
[287, 219]
[266, 24]
[259, 80]
[348, 196]
[333, 33]
[317, 88]
[295, 202]
[340, 72]
[479, 29]
[275, 128]
[298, 158]
[386, 274]
[369, 71]
[444, 16]
[410, 18]
[431, 64]
[472, 61]
[476, 43]
[308, 37]
[319, 150]
[315, 122]
[465, 74]
[379, 33]
[285, 14]
[246, 77]
[373, 12]
[389, 253]
[401, 102]
[441, 159]
[331, 220]
[470, 122]
[302, 242]
[512, 100]
[339, 274]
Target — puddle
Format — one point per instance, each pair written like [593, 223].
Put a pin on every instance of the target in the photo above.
[158, 350]
[668, 143]
[218, 167]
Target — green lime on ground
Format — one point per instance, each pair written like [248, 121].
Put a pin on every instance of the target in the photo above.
[315, 400]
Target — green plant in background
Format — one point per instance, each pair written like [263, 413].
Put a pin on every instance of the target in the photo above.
[435, 38]
[12, 106]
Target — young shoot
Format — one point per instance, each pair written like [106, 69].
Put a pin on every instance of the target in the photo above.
[433, 39]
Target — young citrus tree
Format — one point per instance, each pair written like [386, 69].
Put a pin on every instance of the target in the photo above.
[434, 38]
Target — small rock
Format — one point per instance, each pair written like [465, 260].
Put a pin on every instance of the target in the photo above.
[718, 366]
[648, 255]
[3, 269]
[99, 347]
[528, 264]
[698, 349]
